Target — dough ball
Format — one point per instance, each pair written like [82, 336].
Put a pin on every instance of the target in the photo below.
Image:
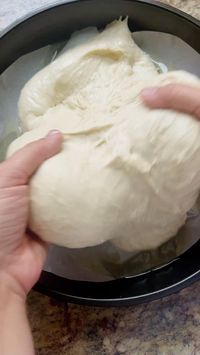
[125, 173]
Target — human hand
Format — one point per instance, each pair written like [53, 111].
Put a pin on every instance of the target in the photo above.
[21, 254]
[179, 97]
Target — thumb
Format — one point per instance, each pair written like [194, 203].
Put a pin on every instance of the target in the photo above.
[22, 164]
[178, 97]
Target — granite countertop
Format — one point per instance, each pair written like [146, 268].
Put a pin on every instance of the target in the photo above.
[166, 327]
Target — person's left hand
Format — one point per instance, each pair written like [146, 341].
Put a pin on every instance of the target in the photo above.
[21, 254]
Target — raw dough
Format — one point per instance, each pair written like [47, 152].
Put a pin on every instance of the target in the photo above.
[125, 173]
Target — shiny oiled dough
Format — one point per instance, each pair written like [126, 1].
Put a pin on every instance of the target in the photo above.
[125, 173]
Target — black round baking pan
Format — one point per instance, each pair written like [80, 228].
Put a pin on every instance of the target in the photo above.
[54, 24]
[148, 286]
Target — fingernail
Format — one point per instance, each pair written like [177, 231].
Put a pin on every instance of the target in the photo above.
[149, 93]
[53, 132]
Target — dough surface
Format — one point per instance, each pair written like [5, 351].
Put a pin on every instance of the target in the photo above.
[125, 173]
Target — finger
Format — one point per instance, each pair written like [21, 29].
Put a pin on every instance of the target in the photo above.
[40, 247]
[174, 96]
[21, 165]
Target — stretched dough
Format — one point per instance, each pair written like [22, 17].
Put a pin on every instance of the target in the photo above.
[125, 173]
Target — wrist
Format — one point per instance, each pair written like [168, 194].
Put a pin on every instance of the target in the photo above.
[10, 291]
[15, 335]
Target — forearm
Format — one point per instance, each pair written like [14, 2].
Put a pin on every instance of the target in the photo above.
[15, 334]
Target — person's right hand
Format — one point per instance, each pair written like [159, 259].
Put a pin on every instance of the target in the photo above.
[178, 97]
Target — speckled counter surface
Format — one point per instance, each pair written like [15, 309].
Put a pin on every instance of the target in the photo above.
[170, 326]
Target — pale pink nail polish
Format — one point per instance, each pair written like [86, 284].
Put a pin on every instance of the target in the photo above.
[53, 132]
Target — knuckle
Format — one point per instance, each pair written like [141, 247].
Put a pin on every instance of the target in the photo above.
[170, 92]
[37, 144]
[18, 175]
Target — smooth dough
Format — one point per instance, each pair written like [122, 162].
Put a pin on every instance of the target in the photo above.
[125, 173]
